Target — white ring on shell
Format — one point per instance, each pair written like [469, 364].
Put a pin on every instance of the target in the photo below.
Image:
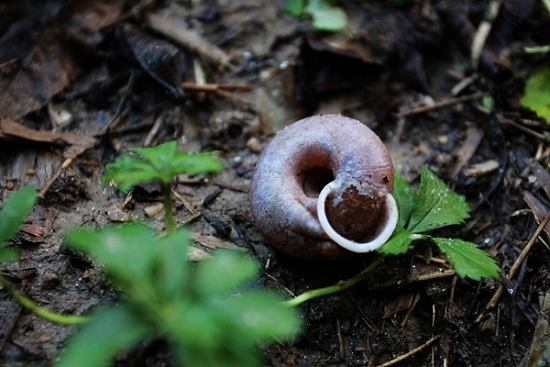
[389, 226]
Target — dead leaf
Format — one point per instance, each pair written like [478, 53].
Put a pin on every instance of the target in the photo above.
[53, 63]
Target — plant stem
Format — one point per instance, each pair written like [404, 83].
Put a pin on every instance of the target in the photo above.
[168, 216]
[29, 305]
[340, 286]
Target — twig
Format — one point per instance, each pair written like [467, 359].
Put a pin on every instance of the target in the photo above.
[194, 213]
[409, 353]
[442, 104]
[153, 132]
[340, 286]
[483, 31]
[526, 130]
[193, 87]
[8, 63]
[56, 175]
[29, 305]
[493, 301]
[176, 30]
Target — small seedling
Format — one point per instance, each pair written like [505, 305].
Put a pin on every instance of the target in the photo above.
[324, 15]
[435, 206]
[161, 163]
[209, 313]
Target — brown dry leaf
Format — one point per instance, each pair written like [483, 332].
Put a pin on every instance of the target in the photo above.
[10, 129]
[213, 242]
[539, 352]
[52, 65]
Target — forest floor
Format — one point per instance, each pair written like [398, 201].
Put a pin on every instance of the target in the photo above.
[86, 79]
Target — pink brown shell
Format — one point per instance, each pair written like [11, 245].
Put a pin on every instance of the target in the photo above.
[339, 159]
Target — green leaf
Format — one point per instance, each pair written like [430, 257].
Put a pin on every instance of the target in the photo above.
[173, 273]
[295, 7]
[109, 332]
[263, 317]
[405, 198]
[161, 163]
[467, 259]
[128, 252]
[224, 271]
[14, 211]
[399, 243]
[436, 206]
[326, 17]
[7, 254]
[537, 92]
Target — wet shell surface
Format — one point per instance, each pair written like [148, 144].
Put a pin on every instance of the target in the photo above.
[322, 188]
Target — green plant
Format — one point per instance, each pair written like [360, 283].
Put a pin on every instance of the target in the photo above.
[14, 211]
[161, 163]
[325, 16]
[208, 312]
[537, 92]
[435, 206]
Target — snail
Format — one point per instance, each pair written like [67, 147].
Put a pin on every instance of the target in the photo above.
[322, 188]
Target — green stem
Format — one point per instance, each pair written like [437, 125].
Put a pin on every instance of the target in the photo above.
[168, 216]
[29, 305]
[546, 4]
[340, 286]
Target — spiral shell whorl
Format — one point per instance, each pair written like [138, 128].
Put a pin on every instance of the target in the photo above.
[299, 163]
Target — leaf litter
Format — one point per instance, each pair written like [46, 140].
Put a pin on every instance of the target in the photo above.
[76, 53]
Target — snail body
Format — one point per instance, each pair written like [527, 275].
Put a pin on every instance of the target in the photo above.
[322, 188]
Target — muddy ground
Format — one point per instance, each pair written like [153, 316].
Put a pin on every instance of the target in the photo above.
[390, 63]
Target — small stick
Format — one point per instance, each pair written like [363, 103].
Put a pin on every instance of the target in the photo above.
[435, 275]
[526, 130]
[176, 30]
[493, 301]
[194, 214]
[483, 31]
[56, 175]
[8, 63]
[442, 104]
[153, 132]
[193, 87]
[340, 338]
[409, 353]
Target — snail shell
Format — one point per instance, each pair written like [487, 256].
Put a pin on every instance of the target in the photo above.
[322, 188]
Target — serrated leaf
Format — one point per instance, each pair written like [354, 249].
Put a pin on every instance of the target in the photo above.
[436, 205]
[467, 259]
[235, 268]
[537, 92]
[161, 163]
[399, 243]
[326, 17]
[109, 331]
[14, 211]
[405, 198]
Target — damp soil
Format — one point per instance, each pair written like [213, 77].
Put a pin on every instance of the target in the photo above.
[392, 60]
